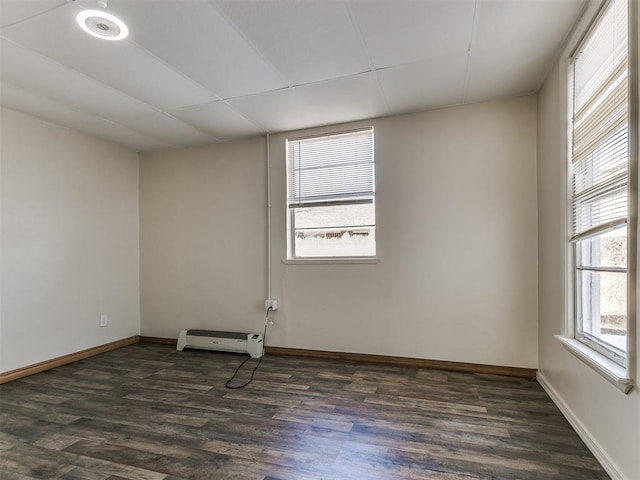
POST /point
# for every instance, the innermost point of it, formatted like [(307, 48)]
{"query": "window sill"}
[(609, 369), (330, 261)]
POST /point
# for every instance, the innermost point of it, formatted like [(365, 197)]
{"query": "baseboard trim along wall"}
[(595, 448), (65, 359), (385, 360), (159, 340), (408, 362), (299, 352)]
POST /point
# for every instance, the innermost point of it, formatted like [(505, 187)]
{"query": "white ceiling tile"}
[(426, 84), (345, 99), (277, 111), (307, 41), (182, 56), (124, 136), (335, 101), (39, 75), (525, 26), (514, 43), (492, 76), (197, 40), (22, 100), (121, 65), (13, 11), (168, 129), (397, 32), (218, 119)]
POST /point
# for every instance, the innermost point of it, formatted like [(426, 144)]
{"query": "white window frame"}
[(620, 373), (292, 257)]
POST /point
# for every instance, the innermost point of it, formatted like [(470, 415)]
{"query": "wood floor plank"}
[(149, 412)]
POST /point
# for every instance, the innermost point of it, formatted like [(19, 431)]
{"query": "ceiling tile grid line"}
[(44, 102), (367, 54), (74, 118), (104, 85), (165, 143), (362, 41), (100, 119), (136, 45), (78, 73), (187, 77), (174, 69), (123, 66), (474, 29), (223, 101), (190, 79), (306, 41), (383, 96), (254, 121), (152, 136), (118, 133), (32, 16), (242, 34), (196, 39), (130, 42), (159, 123)]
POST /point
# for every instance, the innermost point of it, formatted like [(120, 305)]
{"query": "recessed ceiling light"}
[(102, 25)]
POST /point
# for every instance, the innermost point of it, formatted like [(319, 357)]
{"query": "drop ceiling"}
[(193, 72)]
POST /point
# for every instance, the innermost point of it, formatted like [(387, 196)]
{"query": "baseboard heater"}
[(250, 343)]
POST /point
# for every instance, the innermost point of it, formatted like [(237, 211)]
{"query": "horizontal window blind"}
[(331, 169), (600, 139)]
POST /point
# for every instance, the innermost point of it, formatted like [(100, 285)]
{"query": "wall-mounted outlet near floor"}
[(104, 320), (271, 303)]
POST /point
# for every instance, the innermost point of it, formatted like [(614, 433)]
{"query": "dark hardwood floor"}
[(148, 412)]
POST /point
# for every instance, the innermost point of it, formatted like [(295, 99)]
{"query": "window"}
[(601, 196), (331, 192)]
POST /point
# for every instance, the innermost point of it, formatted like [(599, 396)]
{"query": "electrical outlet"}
[(271, 303), (104, 320)]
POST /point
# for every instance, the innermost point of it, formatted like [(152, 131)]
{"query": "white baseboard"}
[(582, 431)]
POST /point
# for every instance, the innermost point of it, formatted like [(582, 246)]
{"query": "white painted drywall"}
[(610, 418), (457, 227), (202, 238), (69, 207)]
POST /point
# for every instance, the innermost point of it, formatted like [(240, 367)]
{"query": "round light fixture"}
[(102, 25)]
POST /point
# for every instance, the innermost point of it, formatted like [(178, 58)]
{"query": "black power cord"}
[(264, 341)]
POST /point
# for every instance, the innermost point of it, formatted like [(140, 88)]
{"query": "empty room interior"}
[(291, 239)]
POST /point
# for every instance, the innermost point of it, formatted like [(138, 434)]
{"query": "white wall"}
[(202, 238), (69, 209), (456, 215), (610, 419)]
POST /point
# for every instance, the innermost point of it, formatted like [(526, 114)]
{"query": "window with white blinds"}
[(330, 195), (600, 194), (600, 134), (331, 169)]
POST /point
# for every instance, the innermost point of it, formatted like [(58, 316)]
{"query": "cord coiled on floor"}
[(253, 372)]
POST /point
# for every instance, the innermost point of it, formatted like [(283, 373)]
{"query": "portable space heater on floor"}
[(250, 343)]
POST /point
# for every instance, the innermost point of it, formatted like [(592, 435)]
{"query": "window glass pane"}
[(335, 216), (335, 231), (606, 250), (602, 306)]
